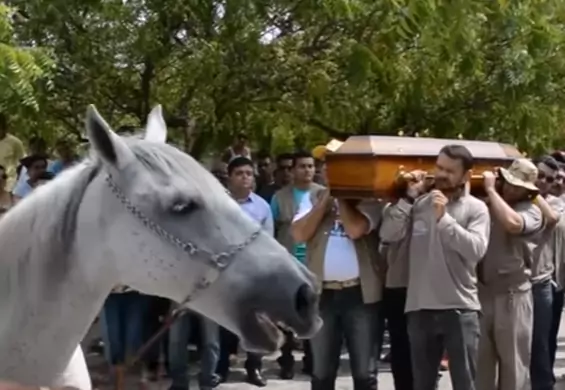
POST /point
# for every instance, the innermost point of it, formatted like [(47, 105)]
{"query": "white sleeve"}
[(304, 208), (76, 373)]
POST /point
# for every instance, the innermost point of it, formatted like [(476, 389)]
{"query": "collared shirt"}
[(258, 209)]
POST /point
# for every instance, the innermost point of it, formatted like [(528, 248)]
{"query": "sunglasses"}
[(546, 178)]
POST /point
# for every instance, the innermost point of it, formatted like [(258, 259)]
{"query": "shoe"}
[(254, 377), (286, 373)]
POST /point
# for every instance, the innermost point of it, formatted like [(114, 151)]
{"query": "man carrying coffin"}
[(449, 231), (504, 277)]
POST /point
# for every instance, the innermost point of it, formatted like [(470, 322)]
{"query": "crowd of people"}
[(448, 274)]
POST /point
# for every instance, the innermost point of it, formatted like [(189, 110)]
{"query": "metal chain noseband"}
[(217, 261)]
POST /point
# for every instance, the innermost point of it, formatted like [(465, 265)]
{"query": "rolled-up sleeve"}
[(395, 221)]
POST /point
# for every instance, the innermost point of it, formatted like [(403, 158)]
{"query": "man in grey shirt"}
[(504, 278), (449, 235)]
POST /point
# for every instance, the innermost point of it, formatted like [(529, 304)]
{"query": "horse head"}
[(165, 226)]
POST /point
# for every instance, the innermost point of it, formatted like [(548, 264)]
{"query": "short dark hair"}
[(459, 152), (284, 156), (559, 156), (239, 162), (32, 159), (263, 155), (548, 161), (299, 154)]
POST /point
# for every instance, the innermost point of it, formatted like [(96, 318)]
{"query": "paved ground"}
[(300, 382)]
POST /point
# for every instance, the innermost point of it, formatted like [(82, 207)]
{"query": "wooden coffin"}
[(368, 166)]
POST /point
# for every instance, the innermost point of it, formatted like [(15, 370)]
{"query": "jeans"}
[(157, 310), (541, 370), (558, 296), (346, 317), (179, 335), (434, 331), (400, 356), (122, 322)]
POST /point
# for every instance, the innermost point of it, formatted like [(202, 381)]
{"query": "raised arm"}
[(309, 217), (470, 242)]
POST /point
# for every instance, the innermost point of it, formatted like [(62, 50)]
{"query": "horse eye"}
[(183, 208)]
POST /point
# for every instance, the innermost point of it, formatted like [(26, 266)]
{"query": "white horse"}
[(141, 213)]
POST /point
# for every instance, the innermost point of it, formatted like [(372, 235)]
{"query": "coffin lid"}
[(377, 145)]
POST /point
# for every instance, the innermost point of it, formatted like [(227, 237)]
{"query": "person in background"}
[(504, 273), (543, 269), (265, 180), (121, 320), (241, 176), (12, 150), (179, 335), (319, 154), (35, 166), (557, 189), (6, 198), (284, 205), (67, 156), (283, 170), (282, 176), (157, 310), (37, 147), (239, 148), (220, 171)]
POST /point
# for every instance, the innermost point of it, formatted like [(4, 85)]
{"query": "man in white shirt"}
[(341, 253)]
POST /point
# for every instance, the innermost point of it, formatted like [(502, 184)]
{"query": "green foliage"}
[(297, 72), (21, 70)]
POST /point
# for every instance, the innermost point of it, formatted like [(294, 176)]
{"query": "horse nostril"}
[(305, 300)]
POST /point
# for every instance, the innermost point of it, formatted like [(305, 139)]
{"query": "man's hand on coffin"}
[(415, 183)]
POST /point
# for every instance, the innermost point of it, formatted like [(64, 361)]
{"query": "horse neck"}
[(48, 297)]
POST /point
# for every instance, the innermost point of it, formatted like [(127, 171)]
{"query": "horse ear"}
[(105, 143), (156, 129)]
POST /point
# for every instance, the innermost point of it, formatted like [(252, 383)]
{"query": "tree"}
[(291, 71), (24, 71)]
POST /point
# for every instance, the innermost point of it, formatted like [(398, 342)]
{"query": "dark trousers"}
[(431, 333), (122, 321), (541, 369), (158, 309), (286, 360), (346, 317), (400, 358), (557, 309), (209, 348), (228, 345)]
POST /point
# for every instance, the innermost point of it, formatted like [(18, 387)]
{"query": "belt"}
[(335, 285)]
